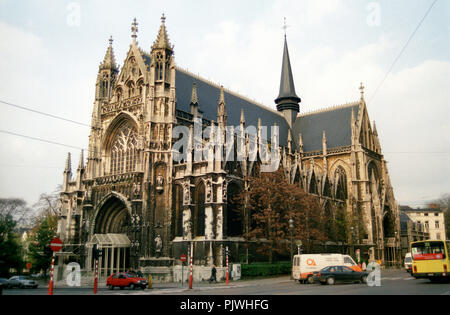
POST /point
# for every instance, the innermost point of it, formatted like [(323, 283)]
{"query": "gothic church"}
[(144, 209)]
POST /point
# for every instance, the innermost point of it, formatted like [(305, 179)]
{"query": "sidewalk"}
[(178, 285)]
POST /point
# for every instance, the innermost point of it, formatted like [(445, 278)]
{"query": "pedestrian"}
[(213, 274)]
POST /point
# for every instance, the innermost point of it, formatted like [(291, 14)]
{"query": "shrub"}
[(265, 270)]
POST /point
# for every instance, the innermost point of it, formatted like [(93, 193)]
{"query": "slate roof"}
[(336, 122), (208, 98)]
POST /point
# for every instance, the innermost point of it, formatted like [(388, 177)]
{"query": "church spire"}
[(68, 168), (109, 62), (194, 101), (287, 101), (67, 176), (81, 162), (162, 41), (242, 117), (221, 110), (194, 97)]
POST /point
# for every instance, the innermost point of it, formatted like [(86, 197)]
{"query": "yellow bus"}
[(431, 260)]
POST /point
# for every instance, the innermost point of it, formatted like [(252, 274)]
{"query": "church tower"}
[(287, 101), (159, 162), (107, 74)]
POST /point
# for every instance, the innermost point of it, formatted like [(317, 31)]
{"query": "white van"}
[(305, 265), (408, 262)]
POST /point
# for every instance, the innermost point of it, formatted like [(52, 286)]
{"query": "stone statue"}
[(159, 183), (208, 192), (187, 195), (136, 190), (158, 245)]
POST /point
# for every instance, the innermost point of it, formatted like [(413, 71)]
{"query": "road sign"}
[(183, 258), (56, 245)]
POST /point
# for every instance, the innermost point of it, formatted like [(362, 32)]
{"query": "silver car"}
[(22, 282)]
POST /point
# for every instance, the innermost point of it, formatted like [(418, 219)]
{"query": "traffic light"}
[(97, 253)]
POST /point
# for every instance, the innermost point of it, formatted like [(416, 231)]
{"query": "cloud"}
[(411, 108), (30, 77)]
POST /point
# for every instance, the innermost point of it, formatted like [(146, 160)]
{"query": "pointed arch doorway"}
[(109, 231)]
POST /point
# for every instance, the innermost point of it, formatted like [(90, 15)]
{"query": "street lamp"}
[(352, 232), (395, 249), (291, 230)]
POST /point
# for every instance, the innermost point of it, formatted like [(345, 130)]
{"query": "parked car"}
[(408, 262), (332, 274), (126, 280), (22, 282), (4, 283)]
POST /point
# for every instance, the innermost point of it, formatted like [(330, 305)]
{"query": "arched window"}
[(177, 206), (140, 86), (327, 188), (104, 89), (234, 214), (374, 177), (313, 185), (131, 89), (159, 67), (297, 177), (124, 151), (341, 180), (199, 210)]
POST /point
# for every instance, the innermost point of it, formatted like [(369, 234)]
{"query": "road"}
[(392, 283)]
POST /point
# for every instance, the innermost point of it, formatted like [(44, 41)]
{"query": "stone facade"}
[(132, 186)]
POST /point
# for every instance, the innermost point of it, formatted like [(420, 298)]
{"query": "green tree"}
[(12, 213), (39, 252), (10, 247)]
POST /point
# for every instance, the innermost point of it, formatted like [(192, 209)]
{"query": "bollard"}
[(150, 281)]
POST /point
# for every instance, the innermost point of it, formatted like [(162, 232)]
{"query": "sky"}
[(50, 52)]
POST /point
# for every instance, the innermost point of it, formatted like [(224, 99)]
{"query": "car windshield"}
[(428, 251), (408, 259), (349, 261)]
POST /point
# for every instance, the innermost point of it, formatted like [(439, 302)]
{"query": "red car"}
[(126, 280)]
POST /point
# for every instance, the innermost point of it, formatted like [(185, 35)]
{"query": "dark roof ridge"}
[(245, 98), (329, 109)]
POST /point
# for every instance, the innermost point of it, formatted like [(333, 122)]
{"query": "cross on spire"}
[(285, 26), (163, 18), (111, 40), (361, 88), (134, 29)]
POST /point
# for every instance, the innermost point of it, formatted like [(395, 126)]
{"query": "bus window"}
[(428, 251)]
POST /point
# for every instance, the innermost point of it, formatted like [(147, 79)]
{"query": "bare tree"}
[(16, 209), (48, 204), (443, 203)]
